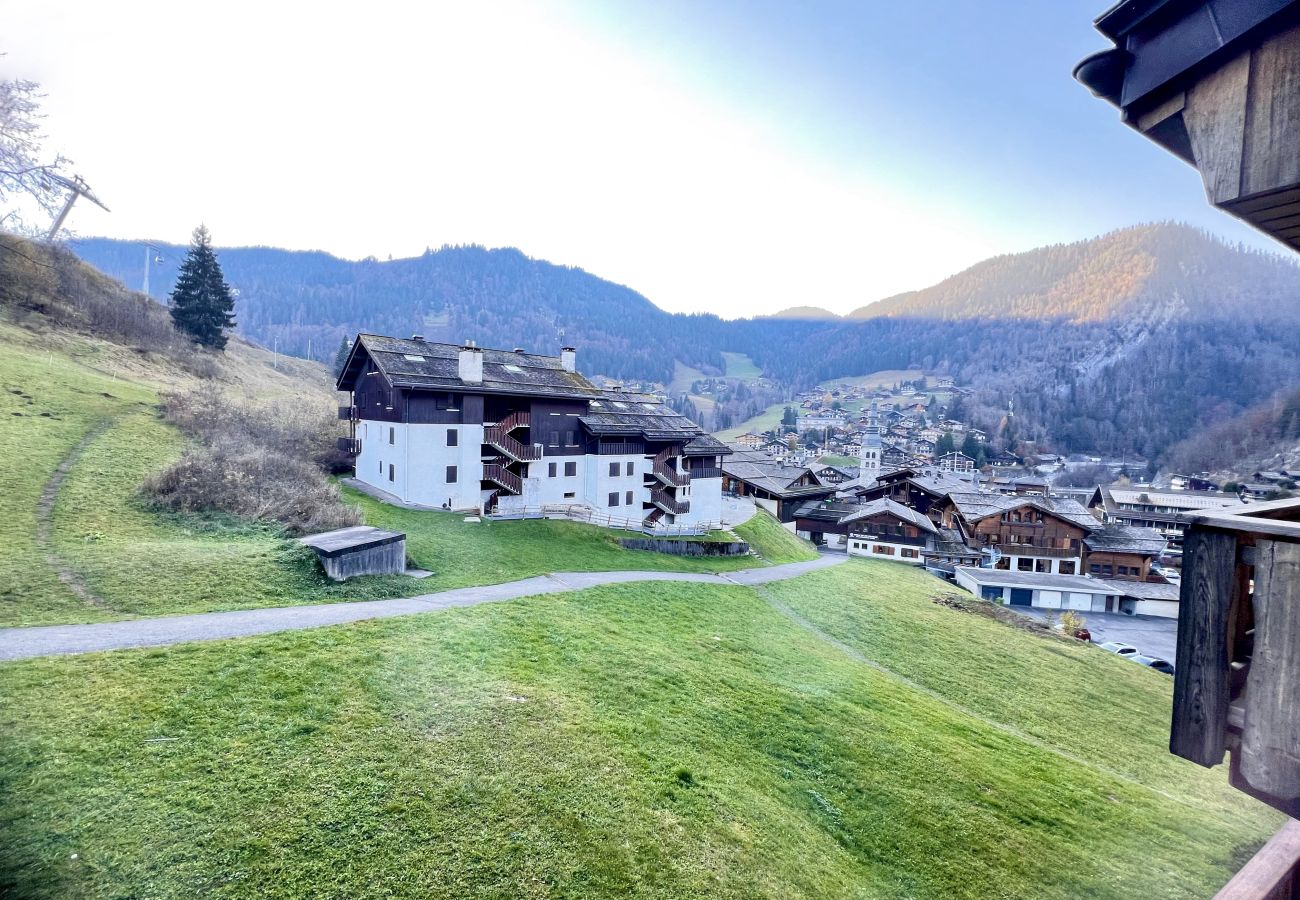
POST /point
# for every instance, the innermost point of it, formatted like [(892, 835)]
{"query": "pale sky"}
[(733, 157)]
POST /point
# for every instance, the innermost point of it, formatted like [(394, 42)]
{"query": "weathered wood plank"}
[(1273, 873), (1201, 681), (1270, 738), (1215, 118), (1251, 205), (1271, 155)]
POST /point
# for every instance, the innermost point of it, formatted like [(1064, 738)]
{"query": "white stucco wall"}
[(864, 545), (705, 495), (420, 456)]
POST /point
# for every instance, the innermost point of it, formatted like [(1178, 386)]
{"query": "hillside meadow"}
[(649, 740)]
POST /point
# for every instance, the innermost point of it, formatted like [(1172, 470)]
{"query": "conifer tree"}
[(341, 355), (202, 306)]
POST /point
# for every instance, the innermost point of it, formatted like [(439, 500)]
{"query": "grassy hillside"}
[(79, 417), (836, 736)]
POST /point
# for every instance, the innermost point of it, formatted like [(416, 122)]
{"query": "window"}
[(391, 471), (628, 500), (1065, 567), (1121, 570), (1105, 570), (613, 498), (392, 435), (1042, 565), (451, 474), (570, 439), (453, 437), (550, 470), (882, 550), (1025, 564), (1094, 569), (569, 495), (631, 468), (613, 469), (570, 469), (381, 467), (909, 553)]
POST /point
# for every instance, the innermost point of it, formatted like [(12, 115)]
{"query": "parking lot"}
[(1152, 635)]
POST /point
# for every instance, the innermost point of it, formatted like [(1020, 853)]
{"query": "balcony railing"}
[(668, 504), (350, 446), (498, 474), (496, 437), (665, 471), (347, 413), (1237, 685)]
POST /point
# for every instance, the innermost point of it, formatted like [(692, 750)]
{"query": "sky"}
[(730, 157)]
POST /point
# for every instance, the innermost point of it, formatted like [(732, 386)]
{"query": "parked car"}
[(1152, 662), (1122, 649)]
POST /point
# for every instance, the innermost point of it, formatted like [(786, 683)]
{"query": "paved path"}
[(49, 640), (1152, 635)]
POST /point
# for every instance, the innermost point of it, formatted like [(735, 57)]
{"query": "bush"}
[(258, 461), (254, 483)]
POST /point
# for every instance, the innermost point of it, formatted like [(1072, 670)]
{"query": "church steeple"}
[(869, 462)]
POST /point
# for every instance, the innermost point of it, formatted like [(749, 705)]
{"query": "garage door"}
[(1022, 597), (1049, 599), (1080, 601)]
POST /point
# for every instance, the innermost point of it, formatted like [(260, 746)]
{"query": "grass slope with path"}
[(95, 550), (838, 735)]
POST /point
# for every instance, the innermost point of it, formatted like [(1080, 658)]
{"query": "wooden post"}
[(1201, 681), (1270, 740)]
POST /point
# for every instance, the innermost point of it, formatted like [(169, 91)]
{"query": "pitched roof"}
[(1126, 539), (976, 505), (760, 470), (885, 505), (626, 414), (434, 366)]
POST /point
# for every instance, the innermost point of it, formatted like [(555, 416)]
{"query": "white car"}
[(1121, 649)]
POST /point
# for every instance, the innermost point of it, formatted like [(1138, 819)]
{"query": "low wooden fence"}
[(591, 517)]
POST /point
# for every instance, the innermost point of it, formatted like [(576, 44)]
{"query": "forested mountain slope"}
[(1128, 342)]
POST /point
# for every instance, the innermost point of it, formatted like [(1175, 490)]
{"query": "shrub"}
[(258, 461), (253, 482)]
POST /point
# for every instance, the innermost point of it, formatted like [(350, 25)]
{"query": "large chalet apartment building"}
[(499, 431)]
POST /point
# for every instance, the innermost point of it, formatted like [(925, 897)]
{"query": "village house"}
[(956, 461), (1146, 507), (777, 487), (1027, 534), (502, 432)]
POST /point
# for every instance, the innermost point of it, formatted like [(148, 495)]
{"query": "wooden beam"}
[(1215, 118), (1273, 873), (1271, 155), (1270, 737), (1201, 679)]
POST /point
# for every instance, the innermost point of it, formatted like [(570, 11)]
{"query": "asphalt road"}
[(1152, 635)]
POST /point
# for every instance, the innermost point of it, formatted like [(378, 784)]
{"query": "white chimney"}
[(471, 364), (569, 359)]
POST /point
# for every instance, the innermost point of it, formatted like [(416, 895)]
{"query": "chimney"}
[(418, 337), (471, 364), (569, 359)]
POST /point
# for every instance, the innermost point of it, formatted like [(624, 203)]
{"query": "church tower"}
[(869, 464)]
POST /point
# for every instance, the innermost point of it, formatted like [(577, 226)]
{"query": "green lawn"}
[(832, 460), (768, 418), (651, 740), (740, 365), (766, 537)]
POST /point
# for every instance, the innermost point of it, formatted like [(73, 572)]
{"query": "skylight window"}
[(411, 357), (509, 367), (620, 404)]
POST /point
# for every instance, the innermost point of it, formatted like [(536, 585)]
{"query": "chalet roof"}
[(430, 365), (950, 543), (625, 414), (825, 510), (1126, 539), (1110, 497), (705, 445), (761, 471), (974, 506), (885, 505)]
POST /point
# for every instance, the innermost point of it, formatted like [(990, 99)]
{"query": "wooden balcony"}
[(1237, 686), (350, 446), (347, 413)]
